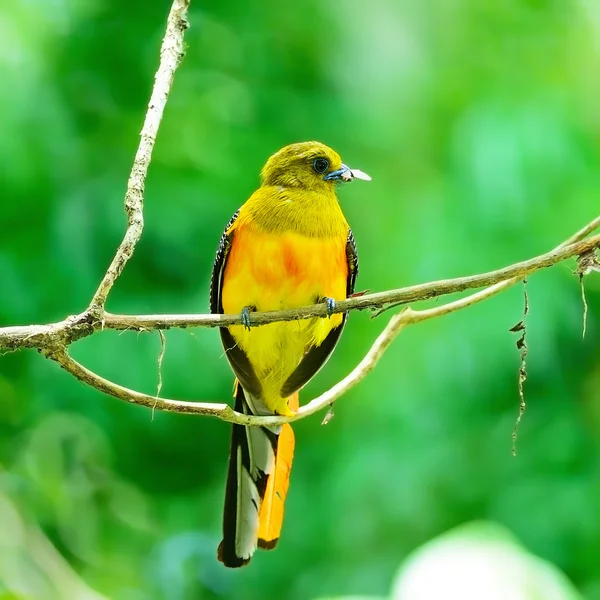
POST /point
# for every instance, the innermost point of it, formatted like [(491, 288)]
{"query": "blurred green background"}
[(479, 124)]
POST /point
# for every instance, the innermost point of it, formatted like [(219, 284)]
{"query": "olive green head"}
[(309, 165)]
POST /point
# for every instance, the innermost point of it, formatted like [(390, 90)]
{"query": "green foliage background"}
[(479, 125)]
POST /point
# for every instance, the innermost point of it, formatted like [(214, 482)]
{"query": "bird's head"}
[(308, 165)]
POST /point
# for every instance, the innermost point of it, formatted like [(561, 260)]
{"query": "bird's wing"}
[(237, 357), (216, 281), (317, 356), (352, 258)]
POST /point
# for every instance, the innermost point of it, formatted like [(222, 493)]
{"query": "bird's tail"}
[(257, 482)]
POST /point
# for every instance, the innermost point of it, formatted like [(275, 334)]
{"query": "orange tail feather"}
[(272, 508)]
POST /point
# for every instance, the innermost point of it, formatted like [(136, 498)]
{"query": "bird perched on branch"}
[(288, 246)]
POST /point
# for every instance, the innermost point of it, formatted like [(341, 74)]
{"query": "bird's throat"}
[(309, 213)]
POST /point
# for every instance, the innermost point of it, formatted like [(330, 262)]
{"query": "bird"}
[(288, 246)]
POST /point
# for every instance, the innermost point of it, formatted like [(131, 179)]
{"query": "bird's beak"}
[(346, 174)]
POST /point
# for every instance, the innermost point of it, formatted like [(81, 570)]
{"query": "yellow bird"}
[(288, 246)]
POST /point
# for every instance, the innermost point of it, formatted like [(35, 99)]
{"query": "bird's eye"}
[(320, 165)]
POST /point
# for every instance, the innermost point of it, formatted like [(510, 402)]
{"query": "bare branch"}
[(84, 375), (582, 233), (224, 412), (171, 54), (379, 300)]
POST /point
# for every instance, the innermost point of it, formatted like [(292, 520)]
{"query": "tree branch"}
[(224, 412), (52, 340), (171, 55), (85, 324)]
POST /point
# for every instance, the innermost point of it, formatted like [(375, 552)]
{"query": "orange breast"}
[(284, 270)]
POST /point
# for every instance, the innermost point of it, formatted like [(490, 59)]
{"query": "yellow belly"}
[(282, 271)]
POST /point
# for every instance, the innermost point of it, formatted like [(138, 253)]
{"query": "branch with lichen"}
[(52, 340)]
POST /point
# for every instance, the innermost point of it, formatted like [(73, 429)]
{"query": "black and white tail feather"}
[(251, 462)]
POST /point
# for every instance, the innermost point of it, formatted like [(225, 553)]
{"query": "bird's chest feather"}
[(274, 271)]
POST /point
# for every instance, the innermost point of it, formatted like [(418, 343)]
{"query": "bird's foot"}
[(330, 302), (246, 316)]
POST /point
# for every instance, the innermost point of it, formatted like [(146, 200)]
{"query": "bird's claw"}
[(246, 317), (330, 302)]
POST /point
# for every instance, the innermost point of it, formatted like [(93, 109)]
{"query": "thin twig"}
[(582, 233), (586, 263), (171, 54), (159, 365), (585, 306), (521, 327)]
